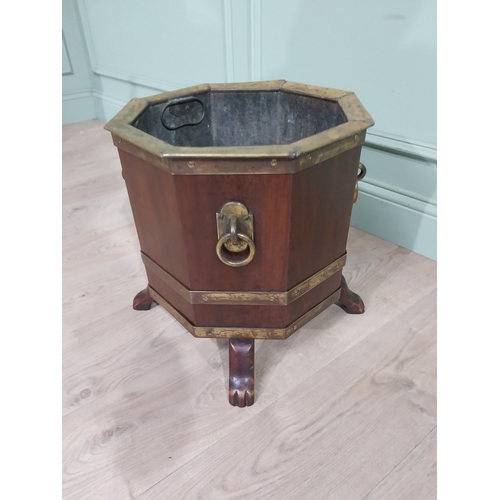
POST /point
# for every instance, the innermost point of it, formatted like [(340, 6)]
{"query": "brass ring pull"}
[(236, 263), (360, 176)]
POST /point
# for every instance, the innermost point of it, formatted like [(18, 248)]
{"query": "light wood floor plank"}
[(88, 216), (101, 291), (148, 426), (106, 353), (414, 477), (335, 435)]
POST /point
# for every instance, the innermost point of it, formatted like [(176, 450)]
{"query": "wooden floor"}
[(345, 408)]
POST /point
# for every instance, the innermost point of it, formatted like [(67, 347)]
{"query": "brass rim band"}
[(242, 297), (267, 159)]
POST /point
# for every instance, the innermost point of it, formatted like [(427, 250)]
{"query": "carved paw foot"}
[(143, 300), (349, 301), (241, 372)]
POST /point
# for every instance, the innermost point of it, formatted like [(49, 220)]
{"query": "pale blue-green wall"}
[(78, 104), (383, 50)]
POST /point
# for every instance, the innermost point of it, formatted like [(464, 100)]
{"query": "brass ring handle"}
[(236, 263), (360, 176)]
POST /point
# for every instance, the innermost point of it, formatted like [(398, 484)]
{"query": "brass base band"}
[(245, 298), (244, 332)]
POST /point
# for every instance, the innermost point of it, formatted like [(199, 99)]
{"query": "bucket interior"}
[(218, 119)]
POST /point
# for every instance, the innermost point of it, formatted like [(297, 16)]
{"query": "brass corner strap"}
[(244, 332), (245, 298)]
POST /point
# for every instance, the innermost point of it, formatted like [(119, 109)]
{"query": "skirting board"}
[(77, 107), (395, 222), (386, 213)]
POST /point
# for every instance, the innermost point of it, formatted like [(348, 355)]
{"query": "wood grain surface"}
[(344, 409)]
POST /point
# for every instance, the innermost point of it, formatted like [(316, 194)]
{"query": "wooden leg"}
[(349, 301), (143, 301), (241, 370)]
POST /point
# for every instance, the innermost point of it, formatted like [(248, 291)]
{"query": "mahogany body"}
[(301, 222), (287, 155)]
